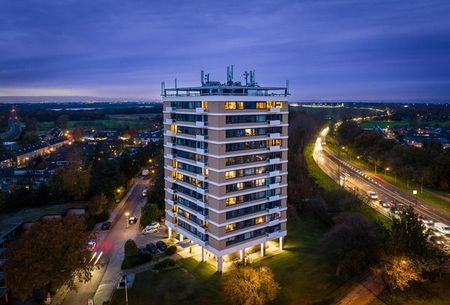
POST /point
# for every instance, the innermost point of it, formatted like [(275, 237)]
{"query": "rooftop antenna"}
[(207, 77), (228, 75), (287, 87), (246, 77), (176, 83), (231, 72), (163, 88), (254, 79), (202, 77)]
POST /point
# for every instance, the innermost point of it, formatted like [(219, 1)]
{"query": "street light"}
[(386, 170), (126, 218), (415, 194)]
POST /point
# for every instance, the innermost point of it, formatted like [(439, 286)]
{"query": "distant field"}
[(384, 124), (111, 123)]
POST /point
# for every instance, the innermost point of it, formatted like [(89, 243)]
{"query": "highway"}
[(110, 244), (359, 181)]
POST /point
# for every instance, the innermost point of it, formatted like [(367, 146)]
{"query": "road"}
[(360, 181), (110, 243)]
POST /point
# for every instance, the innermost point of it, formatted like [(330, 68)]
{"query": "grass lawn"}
[(299, 271), (427, 293)]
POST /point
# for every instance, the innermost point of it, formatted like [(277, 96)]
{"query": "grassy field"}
[(303, 278), (384, 124), (111, 123), (427, 293)]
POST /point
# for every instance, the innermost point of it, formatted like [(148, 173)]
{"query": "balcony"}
[(199, 124), (170, 213), (200, 190), (200, 150), (170, 179), (200, 138), (274, 222), (273, 235), (273, 198), (170, 191), (275, 148), (169, 133), (273, 210), (169, 144), (170, 109), (274, 173), (275, 135), (274, 122), (199, 110), (201, 203), (274, 185), (200, 164), (274, 160), (170, 202), (200, 177), (169, 121), (275, 110), (201, 216)]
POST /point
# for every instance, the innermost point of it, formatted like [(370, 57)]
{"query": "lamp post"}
[(386, 169), (415, 194), (126, 218)]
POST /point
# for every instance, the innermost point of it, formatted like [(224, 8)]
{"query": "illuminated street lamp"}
[(150, 160), (386, 170), (415, 194)]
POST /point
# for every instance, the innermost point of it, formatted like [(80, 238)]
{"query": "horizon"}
[(338, 50)]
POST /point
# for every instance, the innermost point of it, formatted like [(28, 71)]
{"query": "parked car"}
[(151, 247), (372, 195), (427, 222), (151, 228), (106, 225), (161, 245), (132, 220), (385, 204), (442, 227), (144, 193)]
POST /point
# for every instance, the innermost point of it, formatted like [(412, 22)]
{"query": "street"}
[(360, 182), (110, 243)]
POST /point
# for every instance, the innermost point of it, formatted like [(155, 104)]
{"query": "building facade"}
[(225, 154)]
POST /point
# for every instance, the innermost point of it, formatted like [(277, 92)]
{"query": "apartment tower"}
[(225, 161)]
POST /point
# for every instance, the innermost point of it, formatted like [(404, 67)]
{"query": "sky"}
[(336, 49)]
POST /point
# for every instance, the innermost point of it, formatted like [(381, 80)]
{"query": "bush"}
[(130, 248), (167, 263), (132, 261), (171, 250)]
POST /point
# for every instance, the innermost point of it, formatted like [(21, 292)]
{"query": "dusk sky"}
[(361, 49)]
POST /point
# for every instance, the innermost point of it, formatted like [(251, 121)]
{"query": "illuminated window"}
[(240, 105), (230, 105), (274, 104), (240, 185), (274, 142), (230, 201), (173, 128), (249, 132), (205, 105), (260, 182), (260, 170), (261, 105), (230, 227), (174, 163), (259, 220), (205, 172), (230, 174)]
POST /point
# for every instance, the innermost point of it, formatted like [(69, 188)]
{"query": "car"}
[(132, 220), (385, 204), (106, 225), (144, 193), (151, 247), (151, 228), (372, 195), (424, 220), (92, 245), (143, 250), (442, 227), (438, 240), (161, 245)]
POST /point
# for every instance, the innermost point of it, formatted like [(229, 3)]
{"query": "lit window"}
[(230, 174), (230, 227), (260, 182), (259, 220), (274, 104), (261, 105), (249, 131), (173, 128), (230, 105), (205, 105), (230, 201), (240, 105), (240, 185)]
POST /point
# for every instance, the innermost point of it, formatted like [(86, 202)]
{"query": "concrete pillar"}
[(242, 255), (170, 232), (263, 249), (219, 263), (203, 254), (181, 237), (281, 243)]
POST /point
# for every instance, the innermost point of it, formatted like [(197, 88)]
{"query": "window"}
[(249, 131), (260, 182), (230, 201), (274, 104), (261, 105), (230, 105), (230, 174), (230, 227), (275, 142), (205, 105), (173, 128), (259, 220)]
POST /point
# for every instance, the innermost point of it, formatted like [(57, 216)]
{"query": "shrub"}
[(130, 248), (171, 250), (167, 263)]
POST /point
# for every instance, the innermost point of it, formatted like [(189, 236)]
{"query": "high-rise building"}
[(225, 160)]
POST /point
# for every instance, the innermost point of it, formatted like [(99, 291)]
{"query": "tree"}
[(130, 248), (409, 235), (352, 245), (30, 138), (98, 204), (250, 286), (62, 120), (399, 272), (76, 181), (78, 133), (52, 253), (149, 213)]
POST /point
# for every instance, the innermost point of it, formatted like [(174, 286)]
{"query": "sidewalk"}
[(364, 292)]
